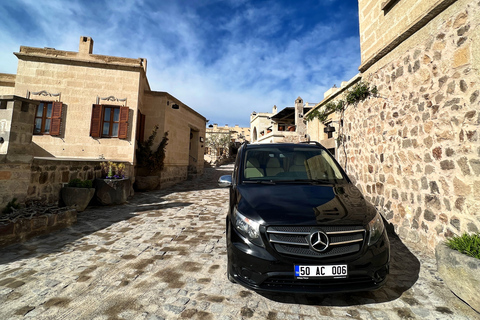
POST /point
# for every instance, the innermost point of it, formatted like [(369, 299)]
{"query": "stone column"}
[(17, 117)]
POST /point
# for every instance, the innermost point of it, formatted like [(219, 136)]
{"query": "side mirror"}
[(225, 181)]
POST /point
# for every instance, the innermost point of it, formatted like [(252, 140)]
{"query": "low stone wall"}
[(415, 149), (24, 229), (49, 175), (14, 182), (172, 175), (44, 178)]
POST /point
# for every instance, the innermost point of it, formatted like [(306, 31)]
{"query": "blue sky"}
[(223, 58)]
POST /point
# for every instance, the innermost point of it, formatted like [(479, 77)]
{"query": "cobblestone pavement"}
[(163, 256)]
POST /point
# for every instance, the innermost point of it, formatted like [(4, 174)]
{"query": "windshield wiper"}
[(259, 181), (300, 181)]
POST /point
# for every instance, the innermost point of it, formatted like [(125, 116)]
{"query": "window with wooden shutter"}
[(96, 121), (123, 123), (48, 118), (56, 120), (109, 121)]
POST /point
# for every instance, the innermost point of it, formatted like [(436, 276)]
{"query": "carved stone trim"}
[(112, 99), (44, 93)]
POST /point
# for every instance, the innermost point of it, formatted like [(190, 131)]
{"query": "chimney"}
[(86, 46), (143, 63), (274, 110)]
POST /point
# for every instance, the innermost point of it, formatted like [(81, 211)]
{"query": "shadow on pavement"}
[(98, 218), (404, 272)]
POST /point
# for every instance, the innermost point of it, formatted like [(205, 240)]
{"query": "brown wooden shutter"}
[(96, 122), (140, 135), (56, 120), (123, 123), (142, 128)]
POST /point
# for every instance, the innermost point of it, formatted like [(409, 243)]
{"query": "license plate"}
[(329, 271)]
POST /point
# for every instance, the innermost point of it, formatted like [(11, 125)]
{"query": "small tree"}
[(217, 141), (154, 161)]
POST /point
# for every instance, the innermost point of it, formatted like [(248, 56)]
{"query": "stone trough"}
[(461, 274)]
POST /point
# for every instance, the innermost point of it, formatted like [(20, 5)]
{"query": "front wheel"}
[(230, 278), (229, 267)]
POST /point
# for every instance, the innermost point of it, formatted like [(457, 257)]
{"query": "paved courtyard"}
[(163, 256)]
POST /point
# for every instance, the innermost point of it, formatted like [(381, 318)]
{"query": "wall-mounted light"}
[(201, 139)]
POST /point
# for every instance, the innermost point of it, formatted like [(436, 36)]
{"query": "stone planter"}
[(112, 191), (460, 273), (79, 198)]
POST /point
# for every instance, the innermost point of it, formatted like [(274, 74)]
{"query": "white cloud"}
[(247, 56)]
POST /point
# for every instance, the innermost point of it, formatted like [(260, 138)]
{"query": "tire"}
[(230, 278)]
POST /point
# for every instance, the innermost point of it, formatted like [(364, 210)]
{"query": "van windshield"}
[(297, 164)]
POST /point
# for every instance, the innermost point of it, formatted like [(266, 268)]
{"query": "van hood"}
[(304, 204)]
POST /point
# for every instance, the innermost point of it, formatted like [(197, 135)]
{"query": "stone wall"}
[(7, 84), (24, 229), (48, 176), (386, 23), (172, 175), (415, 149), (43, 179)]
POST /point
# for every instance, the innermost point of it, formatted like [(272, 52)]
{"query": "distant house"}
[(222, 142), (284, 126), (100, 107), (327, 132)]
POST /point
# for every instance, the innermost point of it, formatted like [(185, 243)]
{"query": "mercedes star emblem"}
[(319, 241)]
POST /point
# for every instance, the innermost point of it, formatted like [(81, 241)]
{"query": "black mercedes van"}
[(296, 223)]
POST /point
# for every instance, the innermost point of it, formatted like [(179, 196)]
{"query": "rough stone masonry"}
[(415, 149)]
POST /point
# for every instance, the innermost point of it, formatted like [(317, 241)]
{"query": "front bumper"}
[(258, 269)]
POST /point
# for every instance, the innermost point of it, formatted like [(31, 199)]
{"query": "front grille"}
[(293, 241)]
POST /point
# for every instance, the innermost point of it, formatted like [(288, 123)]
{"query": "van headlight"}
[(376, 229), (248, 228)]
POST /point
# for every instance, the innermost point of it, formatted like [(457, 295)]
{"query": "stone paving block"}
[(169, 263)]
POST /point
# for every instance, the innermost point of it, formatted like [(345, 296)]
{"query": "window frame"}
[(55, 118), (98, 120), (111, 122)]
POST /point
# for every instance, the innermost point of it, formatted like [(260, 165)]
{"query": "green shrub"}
[(77, 183), (151, 159), (468, 244)]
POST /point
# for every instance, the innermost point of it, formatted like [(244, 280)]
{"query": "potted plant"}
[(78, 193), (113, 187), (150, 162)]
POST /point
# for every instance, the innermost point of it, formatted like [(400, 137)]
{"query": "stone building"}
[(414, 148), (96, 107), (328, 131), (221, 142), (284, 126)]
